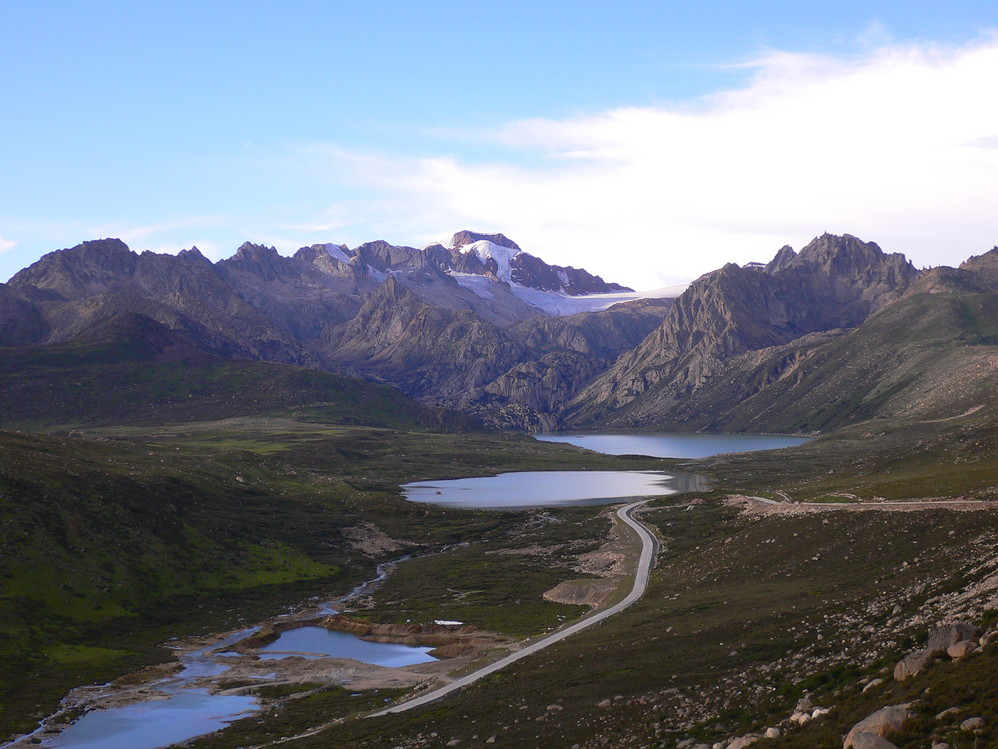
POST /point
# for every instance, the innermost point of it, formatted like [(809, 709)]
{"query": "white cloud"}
[(7, 244), (887, 147)]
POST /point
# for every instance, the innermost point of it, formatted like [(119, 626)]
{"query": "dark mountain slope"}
[(131, 369), (435, 322), (74, 289)]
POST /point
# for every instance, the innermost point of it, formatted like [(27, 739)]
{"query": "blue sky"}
[(646, 141)]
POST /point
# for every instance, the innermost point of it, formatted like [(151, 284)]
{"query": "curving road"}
[(649, 547)]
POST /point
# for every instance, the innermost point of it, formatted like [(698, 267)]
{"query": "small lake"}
[(674, 444), (319, 642), (534, 489)]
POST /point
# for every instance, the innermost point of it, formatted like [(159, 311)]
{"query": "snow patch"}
[(485, 250), (478, 284), (561, 305), (555, 302), (336, 252)]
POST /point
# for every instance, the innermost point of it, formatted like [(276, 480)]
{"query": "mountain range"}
[(836, 333)]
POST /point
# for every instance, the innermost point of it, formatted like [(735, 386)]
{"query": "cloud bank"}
[(899, 146)]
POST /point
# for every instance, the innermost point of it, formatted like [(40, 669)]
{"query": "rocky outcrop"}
[(465, 237), (953, 640), (946, 635)]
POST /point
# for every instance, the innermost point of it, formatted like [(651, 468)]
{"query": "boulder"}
[(873, 683), (743, 741), (882, 722), (912, 664), (972, 724), (961, 649), (949, 711), (772, 733), (949, 634), (871, 741)]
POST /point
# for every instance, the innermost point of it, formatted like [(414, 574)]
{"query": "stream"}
[(175, 708)]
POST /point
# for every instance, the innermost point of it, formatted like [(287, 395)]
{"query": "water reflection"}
[(674, 444), (319, 642), (532, 489)]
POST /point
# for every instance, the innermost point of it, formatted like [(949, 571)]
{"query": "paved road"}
[(648, 550)]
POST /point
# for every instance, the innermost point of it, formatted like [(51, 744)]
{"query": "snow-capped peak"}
[(486, 250)]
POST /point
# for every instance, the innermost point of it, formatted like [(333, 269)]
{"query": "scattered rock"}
[(772, 733), (882, 722), (743, 741), (604, 703), (801, 718), (554, 708), (972, 724), (941, 745), (948, 712)]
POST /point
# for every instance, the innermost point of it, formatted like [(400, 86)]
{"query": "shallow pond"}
[(184, 711), (319, 642), (154, 724), (674, 444), (530, 489)]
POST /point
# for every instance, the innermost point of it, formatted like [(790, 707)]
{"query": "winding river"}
[(180, 710)]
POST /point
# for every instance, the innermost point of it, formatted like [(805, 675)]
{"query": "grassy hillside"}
[(133, 370)]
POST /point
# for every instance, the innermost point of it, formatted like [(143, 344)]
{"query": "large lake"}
[(531, 489), (674, 444), (534, 489)]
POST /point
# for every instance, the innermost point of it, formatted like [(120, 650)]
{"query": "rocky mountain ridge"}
[(441, 324), (838, 332)]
